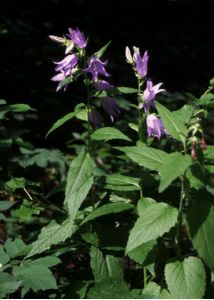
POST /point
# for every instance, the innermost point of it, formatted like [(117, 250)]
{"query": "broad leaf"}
[(66, 118), (5, 205), (105, 267), (108, 133), (52, 235), (174, 122), (200, 218), (111, 208), (8, 284), (35, 277), (156, 220), (143, 203), (206, 99), (117, 182), (147, 157), (186, 279), (140, 253), (174, 165), (209, 153), (15, 248), (79, 182), (4, 258), (20, 107)]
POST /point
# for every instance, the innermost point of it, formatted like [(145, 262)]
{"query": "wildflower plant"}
[(140, 200)]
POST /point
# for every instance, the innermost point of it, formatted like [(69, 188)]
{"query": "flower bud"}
[(128, 55)]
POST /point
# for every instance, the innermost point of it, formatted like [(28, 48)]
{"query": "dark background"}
[(179, 37)]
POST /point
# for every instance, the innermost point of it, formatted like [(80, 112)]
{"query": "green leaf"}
[(105, 267), (152, 288), (52, 235), (109, 289), (100, 52), (143, 203), (35, 277), (8, 284), (66, 118), (111, 208), (174, 165), (174, 122), (4, 258), (14, 184), (79, 182), (47, 261), (2, 102), (108, 133), (186, 279), (206, 99), (200, 218), (209, 152), (119, 182), (140, 253), (156, 220), (20, 107), (25, 212), (65, 81), (5, 205), (126, 90), (147, 157), (14, 248)]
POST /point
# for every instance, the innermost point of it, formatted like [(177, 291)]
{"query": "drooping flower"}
[(77, 37), (155, 126), (141, 63), (67, 64), (149, 95), (96, 67), (65, 67), (95, 118), (111, 107), (102, 85)]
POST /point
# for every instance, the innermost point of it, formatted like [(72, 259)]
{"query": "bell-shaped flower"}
[(68, 63), (111, 107), (77, 37), (102, 85), (149, 95), (141, 63), (155, 126), (96, 67), (95, 118)]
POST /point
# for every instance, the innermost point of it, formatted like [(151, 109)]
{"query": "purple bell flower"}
[(77, 37), (149, 95), (141, 63), (155, 126), (96, 67), (65, 67), (95, 118), (102, 85), (111, 107)]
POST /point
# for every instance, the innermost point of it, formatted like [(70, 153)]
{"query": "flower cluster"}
[(147, 98), (75, 44)]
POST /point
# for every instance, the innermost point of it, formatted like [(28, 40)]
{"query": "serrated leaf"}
[(100, 52), (144, 203), (156, 220), (152, 288), (66, 118), (79, 182), (186, 279), (14, 248), (147, 157), (109, 289), (111, 208), (200, 218), (47, 261), (105, 267), (35, 277), (140, 253), (174, 122), (15, 183), (4, 258), (206, 99), (8, 284), (174, 165), (108, 133), (119, 182), (52, 235)]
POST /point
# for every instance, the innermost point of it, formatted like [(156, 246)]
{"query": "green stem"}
[(180, 218), (144, 276)]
